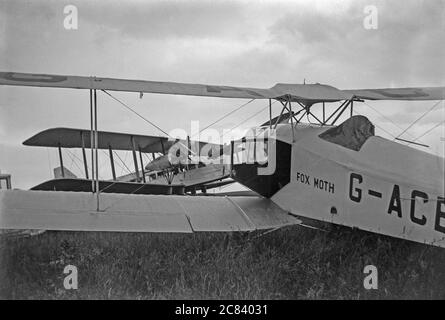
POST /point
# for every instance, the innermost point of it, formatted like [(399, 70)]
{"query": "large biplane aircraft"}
[(342, 174)]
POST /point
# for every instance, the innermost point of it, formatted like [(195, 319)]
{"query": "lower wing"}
[(76, 211)]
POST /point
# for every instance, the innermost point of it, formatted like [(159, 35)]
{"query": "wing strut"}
[(94, 147), (84, 155), (62, 168)]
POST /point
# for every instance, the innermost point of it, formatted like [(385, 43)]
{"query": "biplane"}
[(159, 176), (335, 173)]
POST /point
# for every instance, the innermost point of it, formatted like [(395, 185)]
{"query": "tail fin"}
[(59, 174)]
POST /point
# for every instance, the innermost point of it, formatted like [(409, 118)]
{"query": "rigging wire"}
[(422, 116), (147, 157), (160, 129), (385, 117), (123, 162), (206, 127), (226, 115), (386, 131), (72, 161), (145, 119), (247, 119), (429, 130), (419, 118), (72, 156), (75, 156), (135, 112), (88, 167), (121, 167)]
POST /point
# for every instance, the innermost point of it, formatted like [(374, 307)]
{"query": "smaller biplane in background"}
[(159, 176)]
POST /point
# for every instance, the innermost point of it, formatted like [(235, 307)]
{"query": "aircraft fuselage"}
[(384, 187)]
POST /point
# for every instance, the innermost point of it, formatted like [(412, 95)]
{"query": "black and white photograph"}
[(222, 155)]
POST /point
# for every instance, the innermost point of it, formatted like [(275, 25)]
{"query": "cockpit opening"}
[(263, 165)]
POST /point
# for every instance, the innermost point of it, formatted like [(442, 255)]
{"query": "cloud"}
[(168, 19), (405, 49)]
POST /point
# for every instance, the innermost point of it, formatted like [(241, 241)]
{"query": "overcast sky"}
[(245, 43)]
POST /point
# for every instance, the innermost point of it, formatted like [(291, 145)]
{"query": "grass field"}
[(291, 263)]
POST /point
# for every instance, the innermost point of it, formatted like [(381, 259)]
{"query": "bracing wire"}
[(225, 116), (385, 117), (123, 162), (247, 119), (429, 130), (160, 129), (135, 112), (384, 130), (145, 119), (73, 156), (422, 116), (419, 118)]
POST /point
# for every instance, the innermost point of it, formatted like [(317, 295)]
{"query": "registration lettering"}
[(417, 201)]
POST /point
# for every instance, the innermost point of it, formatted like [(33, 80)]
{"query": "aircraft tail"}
[(65, 173)]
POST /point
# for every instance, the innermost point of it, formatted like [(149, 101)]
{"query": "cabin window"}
[(273, 157)]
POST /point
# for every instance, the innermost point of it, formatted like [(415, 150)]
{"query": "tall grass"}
[(291, 263)]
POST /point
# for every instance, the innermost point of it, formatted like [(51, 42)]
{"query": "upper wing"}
[(76, 211), (310, 93), (76, 138), (304, 93), (426, 93), (79, 82)]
